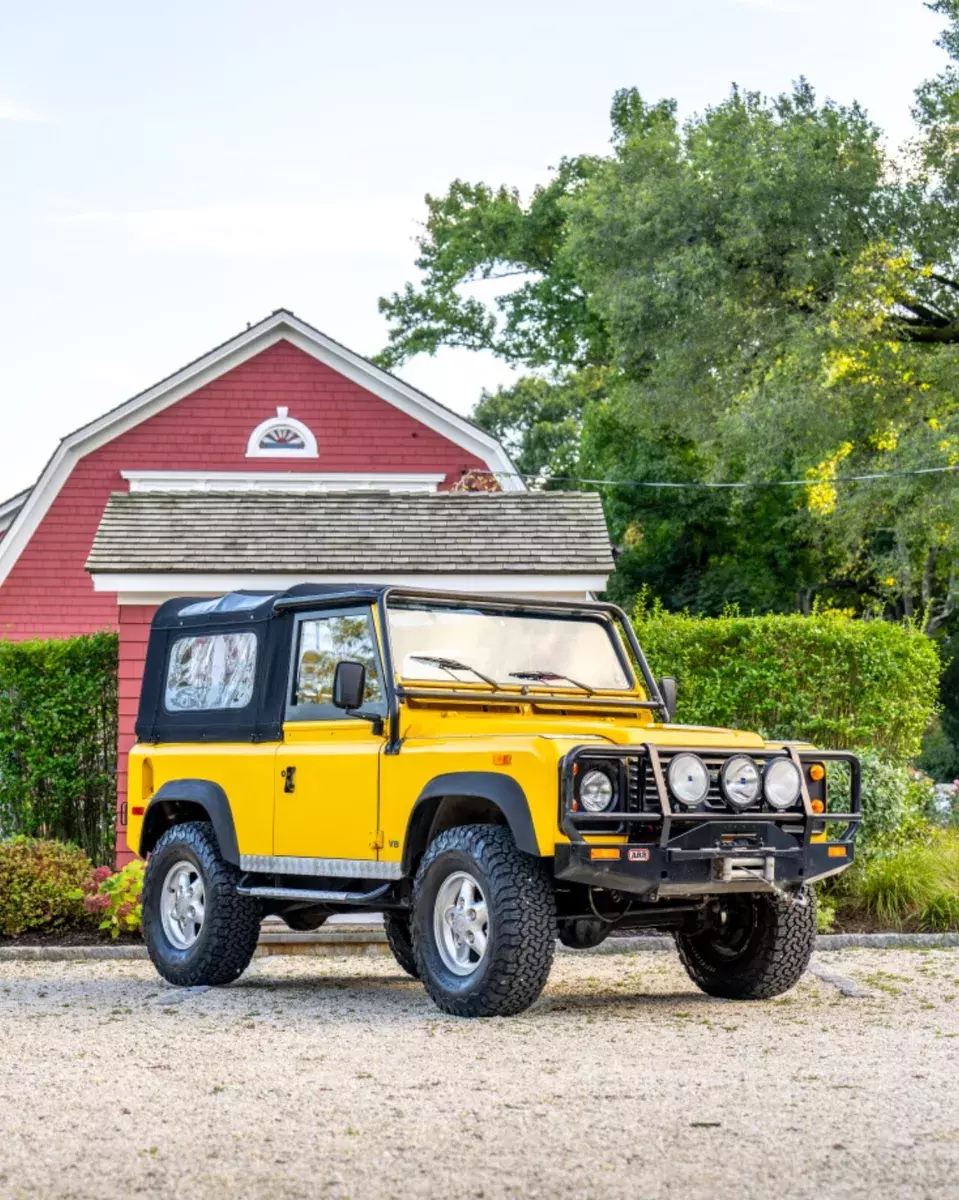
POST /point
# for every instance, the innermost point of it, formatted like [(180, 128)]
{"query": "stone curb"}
[(344, 940), (824, 942)]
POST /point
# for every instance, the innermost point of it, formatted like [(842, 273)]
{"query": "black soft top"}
[(244, 607), (270, 617)]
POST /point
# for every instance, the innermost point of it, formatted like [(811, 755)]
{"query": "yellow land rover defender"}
[(489, 773)]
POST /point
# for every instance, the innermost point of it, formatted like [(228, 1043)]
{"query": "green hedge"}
[(58, 737), (829, 679)]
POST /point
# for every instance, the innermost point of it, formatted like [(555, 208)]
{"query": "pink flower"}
[(101, 873), (125, 909)]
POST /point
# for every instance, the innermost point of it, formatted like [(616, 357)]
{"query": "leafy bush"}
[(38, 886), (58, 736), (829, 679), (896, 799), (939, 756), (115, 898)]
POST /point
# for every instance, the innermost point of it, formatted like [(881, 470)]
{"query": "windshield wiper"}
[(546, 676), (451, 666)]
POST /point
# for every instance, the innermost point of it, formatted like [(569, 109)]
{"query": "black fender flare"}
[(201, 793), (500, 790)]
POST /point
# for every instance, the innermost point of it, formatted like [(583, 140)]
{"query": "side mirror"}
[(667, 689), (349, 684)]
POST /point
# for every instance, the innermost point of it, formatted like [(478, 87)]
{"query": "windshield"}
[(469, 645)]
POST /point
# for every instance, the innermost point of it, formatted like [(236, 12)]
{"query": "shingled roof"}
[(351, 533)]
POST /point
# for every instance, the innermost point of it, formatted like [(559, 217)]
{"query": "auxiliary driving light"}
[(782, 783), (688, 779), (741, 781)]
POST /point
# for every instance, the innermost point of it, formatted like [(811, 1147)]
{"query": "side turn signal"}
[(604, 852), (836, 851)]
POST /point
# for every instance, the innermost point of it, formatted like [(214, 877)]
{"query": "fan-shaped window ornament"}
[(282, 436)]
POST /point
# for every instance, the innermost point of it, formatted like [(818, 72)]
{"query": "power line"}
[(699, 483)]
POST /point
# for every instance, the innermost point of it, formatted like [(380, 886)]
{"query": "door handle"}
[(289, 774)]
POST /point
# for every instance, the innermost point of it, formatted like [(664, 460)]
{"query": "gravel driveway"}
[(336, 1077)]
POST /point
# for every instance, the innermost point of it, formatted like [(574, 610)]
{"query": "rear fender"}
[(181, 800)]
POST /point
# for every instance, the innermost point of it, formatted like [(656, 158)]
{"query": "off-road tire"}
[(397, 926), (521, 923), (231, 926), (773, 957)]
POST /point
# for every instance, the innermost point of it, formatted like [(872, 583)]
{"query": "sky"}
[(172, 172)]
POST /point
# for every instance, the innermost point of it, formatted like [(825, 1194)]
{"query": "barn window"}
[(282, 436)]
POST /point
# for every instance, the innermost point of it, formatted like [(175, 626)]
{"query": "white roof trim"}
[(297, 482), (147, 588), (279, 326), (10, 508)]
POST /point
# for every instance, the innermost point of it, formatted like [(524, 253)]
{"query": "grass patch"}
[(912, 883)]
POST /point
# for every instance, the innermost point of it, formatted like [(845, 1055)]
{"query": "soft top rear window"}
[(210, 671)]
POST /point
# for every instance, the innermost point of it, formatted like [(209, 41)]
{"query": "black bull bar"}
[(669, 850)]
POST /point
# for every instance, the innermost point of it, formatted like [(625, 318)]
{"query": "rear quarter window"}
[(211, 671)]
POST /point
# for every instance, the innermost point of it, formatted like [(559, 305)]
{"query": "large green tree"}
[(758, 294)]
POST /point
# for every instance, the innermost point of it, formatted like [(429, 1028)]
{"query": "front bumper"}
[(682, 853), (711, 858)]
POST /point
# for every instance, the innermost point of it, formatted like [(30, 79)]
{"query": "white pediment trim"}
[(281, 325), (297, 482)]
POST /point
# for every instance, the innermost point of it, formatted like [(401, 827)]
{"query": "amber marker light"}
[(817, 806), (837, 851), (502, 760), (604, 852), (817, 772)]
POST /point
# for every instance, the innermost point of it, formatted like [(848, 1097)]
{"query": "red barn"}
[(279, 457)]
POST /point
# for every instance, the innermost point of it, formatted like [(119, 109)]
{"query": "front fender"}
[(501, 791)]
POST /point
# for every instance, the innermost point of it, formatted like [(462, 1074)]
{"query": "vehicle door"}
[(327, 770)]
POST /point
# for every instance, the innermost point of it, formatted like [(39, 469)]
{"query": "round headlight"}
[(740, 781), (688, 779), (596, 792), (782, 783)]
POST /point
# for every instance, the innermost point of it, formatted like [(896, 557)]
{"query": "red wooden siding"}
[(48, 593), (134, 625)]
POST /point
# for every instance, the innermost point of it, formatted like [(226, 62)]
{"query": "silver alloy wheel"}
[(461, 923), (182, 904)]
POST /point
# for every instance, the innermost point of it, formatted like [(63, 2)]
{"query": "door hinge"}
[(377, 842), (289, 774)]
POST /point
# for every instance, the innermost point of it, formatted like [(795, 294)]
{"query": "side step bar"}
[(321, 897)]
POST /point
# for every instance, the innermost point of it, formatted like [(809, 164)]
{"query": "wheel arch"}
[(466, 798), (181, 800)]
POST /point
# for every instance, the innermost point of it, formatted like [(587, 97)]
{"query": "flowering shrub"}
[(116, 898), (38, 886)]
